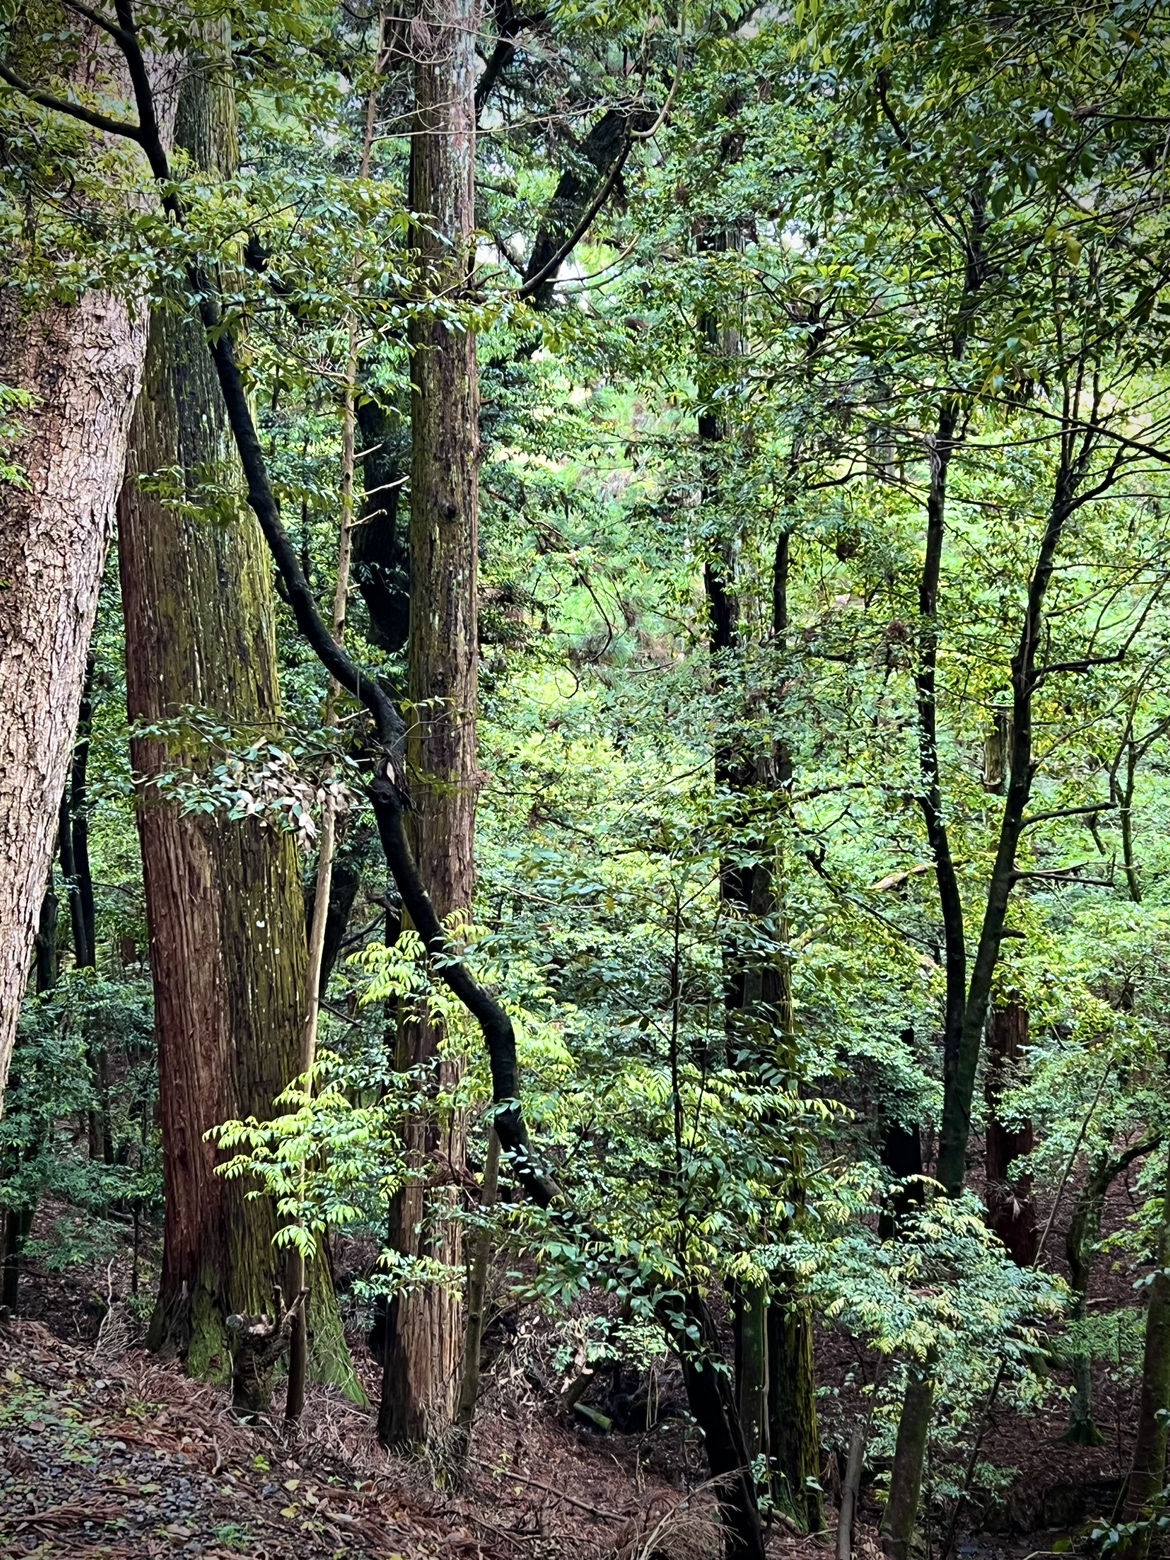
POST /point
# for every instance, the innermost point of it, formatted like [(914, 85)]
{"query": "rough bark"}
[(83, 363), (424, 1335), (1011, 1211), (224, 903)]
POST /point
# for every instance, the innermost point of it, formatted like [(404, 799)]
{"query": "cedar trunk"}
[(424, 1333), (224, 899), (83, 363), (1011, 1211)]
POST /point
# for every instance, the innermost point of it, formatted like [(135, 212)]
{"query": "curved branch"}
[(534, 283), (56, 105), (388, 790)]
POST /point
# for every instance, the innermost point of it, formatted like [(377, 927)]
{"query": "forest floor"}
[(107, 1453)]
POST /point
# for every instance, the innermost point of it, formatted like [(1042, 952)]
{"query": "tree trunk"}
[(1011, 1211), (901, 1513), (1147, 1476), (1080, 1245), (750, 1314), (83, 363), (424, 1334), (224, 902), (480, 1256), (711, 1399)]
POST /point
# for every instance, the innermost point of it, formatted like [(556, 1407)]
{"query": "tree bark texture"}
[(1011, 1211), (83, 364), (224, 899), (424, 1335)]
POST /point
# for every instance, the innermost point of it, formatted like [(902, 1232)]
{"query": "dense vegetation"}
[(632, 664)]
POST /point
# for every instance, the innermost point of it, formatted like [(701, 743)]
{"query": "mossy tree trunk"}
[(424, 1333), (224, 899)]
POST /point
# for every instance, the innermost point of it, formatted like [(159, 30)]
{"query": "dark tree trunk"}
[(47, 962), (224, 905), (381, 546), (902, 1157), (1011, 1211), (73, 833), (18, 1221), (577, 187), (901, 1514), (711, 1399), (424, 1334)]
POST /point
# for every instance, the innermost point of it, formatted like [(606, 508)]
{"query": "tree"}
[(77, 365), (224, 899), (424, 1335)]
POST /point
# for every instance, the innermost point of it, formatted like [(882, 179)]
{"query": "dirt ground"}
[(108, 1453)]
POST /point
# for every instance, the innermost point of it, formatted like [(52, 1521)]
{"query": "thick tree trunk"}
[(1011, 1211), (224, 901), (83, 363), (424, 1331)]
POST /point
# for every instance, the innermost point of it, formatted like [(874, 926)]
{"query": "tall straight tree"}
[(424, 1335), (81, 364), (224, 899)]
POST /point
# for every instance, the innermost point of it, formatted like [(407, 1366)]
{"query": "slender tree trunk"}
[(902, 1157), (850, 1490), (83, 363), (73, 834), (424, 1331), (962, 1066), (224, 900), (901, 1513), (1011, 1211), (479, 1255), (1147, 1477)]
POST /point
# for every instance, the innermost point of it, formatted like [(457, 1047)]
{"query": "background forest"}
[(583, 781)]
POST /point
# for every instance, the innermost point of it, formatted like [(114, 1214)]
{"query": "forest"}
[(585, 779)]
